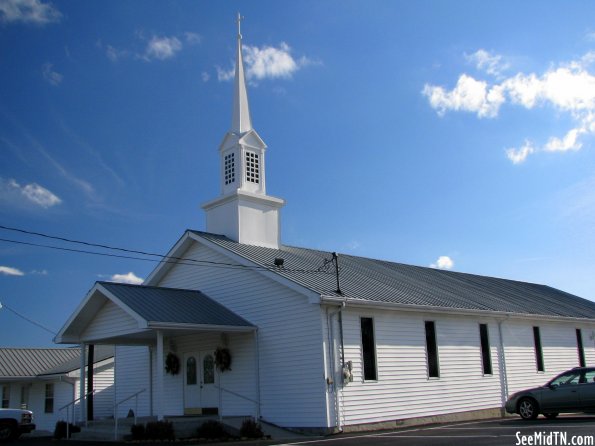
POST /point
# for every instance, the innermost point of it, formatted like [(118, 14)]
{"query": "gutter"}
[(358, 303), (332, 358)]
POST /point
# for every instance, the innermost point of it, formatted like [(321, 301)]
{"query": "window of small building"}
[(5, 396), (538, 350), (486, 357), (230, 170), (49, 398), (208, 370), (432, 350), (368, 349), (24, 397), (580, 348)]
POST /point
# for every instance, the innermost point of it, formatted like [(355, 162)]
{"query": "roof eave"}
[(445, 310)]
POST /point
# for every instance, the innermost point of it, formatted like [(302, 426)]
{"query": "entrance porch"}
[(166, 341)]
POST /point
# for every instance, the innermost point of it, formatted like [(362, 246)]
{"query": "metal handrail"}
[(134, 395), (256, 403), (67, 407)]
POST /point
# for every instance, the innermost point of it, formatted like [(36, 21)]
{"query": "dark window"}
[(432, 350), (579, 347), (5, 396), (486, 357), (191, 371), (208, 370), (368, 349), (538, 351), (49, 398)]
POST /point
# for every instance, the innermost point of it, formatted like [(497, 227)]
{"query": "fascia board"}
[(59, 338), (200, 327), (176, 251), (311, 295), (356, 303)]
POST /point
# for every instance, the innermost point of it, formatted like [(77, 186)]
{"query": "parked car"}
[(14, 422), (571, 391)]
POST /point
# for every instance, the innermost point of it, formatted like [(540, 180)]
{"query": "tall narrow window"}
[(579, 347), (486, 357), (49, 398), (432, 350), (24, 397), (538, 350), (208, 370), (5, 396), (368, 349), (230, 169)]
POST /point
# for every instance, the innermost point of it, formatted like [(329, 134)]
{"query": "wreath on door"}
[(172, 364), (223, 359)]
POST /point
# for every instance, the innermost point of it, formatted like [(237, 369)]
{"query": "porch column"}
[(82, 384), (159, 369)]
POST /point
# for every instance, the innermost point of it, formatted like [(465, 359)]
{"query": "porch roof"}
[(144, 309)]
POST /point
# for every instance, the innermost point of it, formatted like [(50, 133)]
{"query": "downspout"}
[(502, 363), (332, 358)]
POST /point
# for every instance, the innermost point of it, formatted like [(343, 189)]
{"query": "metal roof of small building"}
[(174, 306), (32, 362), (370, 280)]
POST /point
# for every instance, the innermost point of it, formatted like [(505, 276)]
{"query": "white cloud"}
[(490, 63), (468, 95), (130, 278), (13, 192), (205, 76), (8, 271), (53, 77), (443, 262), (518, 156), (162, 48), (192, 38), (115, 54), (28, 11), (568, 88), (266, 62)]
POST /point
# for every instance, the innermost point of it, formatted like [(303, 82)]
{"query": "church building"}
[(233, 322)]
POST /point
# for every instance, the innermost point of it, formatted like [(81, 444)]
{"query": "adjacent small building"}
[(46, 379), (234, 322)]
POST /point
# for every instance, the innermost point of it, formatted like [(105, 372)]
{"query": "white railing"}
[(135, 396), (256, 403), (67, 407)]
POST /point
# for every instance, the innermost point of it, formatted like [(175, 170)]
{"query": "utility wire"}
[(160, 257), (2, 306)]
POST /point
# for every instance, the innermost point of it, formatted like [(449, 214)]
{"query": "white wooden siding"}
[(403, 389), (103, 383), (131, 375), (290, 334), (558, 341), (109, 321)]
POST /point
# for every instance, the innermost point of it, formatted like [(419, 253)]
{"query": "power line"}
[(31, 321), (160, 258)]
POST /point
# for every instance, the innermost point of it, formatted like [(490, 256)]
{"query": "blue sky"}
[(431, 133)]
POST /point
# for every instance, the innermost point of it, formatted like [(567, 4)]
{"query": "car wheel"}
[(7, 431), (528, 409), (550, 416)]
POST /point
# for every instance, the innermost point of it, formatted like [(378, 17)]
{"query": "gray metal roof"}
[(373, 280), (174, 306), (32, 362)]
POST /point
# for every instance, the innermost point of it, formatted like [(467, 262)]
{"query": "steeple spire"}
[(241, 121)]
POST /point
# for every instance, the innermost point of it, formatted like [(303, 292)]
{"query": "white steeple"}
[(243, 212), (241, 121)]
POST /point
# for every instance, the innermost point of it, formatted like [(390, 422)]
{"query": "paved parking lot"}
[(566, 430)]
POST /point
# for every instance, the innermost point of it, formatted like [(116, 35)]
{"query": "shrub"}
[(137, 431), (160, 430), (60, 429), (212, 430), (251, 429)]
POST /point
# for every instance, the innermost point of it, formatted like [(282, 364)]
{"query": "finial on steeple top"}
[(239, 19)]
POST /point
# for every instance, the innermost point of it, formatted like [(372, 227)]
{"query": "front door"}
[(200, 380)]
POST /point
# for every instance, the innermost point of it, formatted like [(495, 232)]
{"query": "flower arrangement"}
[(223, 359), (172, 364)]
